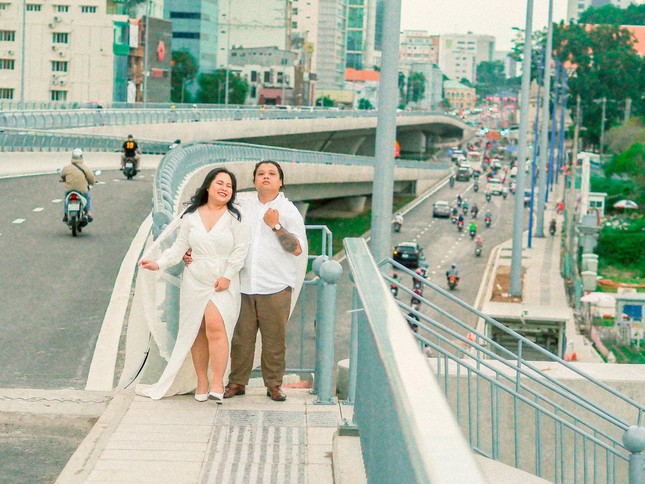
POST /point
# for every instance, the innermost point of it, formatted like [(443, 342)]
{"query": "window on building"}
[(59, 66), (34, 7), (186, 15), (254, 92), (60, 38), (7, 35), (254, 76), (88, 8), (3, 6), (7, 64), (267, 77), (62, 8), (294, 25), (185, 35), (6, 93), (295, 10), (58, 96)]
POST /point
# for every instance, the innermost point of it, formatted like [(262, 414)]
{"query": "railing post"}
[(330, 272), (315, 266), (353, 347), (634, 441)]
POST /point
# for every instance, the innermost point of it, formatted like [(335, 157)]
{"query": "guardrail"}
[(407, 430), (12, 139), (511, 409), (77, 118)]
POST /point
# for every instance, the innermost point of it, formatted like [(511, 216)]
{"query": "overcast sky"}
[(492, 17)]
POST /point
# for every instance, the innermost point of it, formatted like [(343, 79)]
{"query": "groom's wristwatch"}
[(276, 227)]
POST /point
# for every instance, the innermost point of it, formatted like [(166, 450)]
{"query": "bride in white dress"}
[(209, 305)]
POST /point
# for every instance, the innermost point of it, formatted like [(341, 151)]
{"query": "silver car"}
[(441, 208)]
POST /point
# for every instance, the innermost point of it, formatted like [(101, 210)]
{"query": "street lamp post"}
[(544, 134), (602, 127), (515, 288), (381, 239), (228, 48), (22, 54)]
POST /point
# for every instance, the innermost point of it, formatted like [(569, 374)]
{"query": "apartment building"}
[(419, 46), (459, 96), (60, 50), (459, 54)]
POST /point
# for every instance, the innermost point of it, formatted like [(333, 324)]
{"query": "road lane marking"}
[(101, 183), (57, 200), (18, 221), (38, 209)]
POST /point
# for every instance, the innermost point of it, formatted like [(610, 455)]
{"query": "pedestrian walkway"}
[(247, 439)]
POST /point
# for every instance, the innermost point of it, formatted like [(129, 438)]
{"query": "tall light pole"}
[(381, 240), (544, 132), (518, 218), (228, 48), (602, 127), (22, 54)]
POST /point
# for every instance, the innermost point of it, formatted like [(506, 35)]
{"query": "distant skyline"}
[(485, 17)]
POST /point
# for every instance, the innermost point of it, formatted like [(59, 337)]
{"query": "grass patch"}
[(628, 354), (345, 227)]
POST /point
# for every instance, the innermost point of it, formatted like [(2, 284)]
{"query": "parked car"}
[(441, 208), (408, 254)]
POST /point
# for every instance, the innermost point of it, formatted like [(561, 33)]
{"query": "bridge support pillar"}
[(412, 142), (356, 204)]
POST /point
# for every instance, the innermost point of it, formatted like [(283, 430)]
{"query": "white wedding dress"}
[(216, 253)]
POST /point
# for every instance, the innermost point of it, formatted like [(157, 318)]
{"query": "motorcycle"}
[(488, 196), (504, 194), (459, 201), (478, 250), (75, 215), (487, 222), (460, 226), (552, 227), (129, 168), (394, 289), (476, 187), (452, 181), (397, 226), (473, 233), (452, 282), (474, 213)]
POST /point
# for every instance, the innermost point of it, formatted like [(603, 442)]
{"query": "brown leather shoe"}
[(276, 394), (233, 389)]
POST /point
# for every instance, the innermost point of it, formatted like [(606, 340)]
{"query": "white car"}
[(495, 186)]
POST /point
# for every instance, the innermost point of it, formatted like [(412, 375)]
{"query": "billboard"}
[(158, 56)]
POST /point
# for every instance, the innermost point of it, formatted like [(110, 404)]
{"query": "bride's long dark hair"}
[(201, 194)]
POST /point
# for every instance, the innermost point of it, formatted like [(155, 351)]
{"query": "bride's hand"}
[(148, 264), (222, 284)]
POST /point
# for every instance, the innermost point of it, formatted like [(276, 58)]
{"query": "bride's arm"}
[(174, 253)]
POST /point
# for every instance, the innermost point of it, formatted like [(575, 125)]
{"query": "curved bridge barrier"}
[(548, 418)]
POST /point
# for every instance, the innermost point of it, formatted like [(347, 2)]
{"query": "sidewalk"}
[(247, 439)]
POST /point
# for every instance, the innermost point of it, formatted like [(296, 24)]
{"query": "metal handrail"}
[(401, 440), (576, 415)]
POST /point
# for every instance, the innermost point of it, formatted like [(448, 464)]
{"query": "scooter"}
[(452, 181), (460, 226), (452, 282), (129, 168), (478, 250), (473, 233), (476, 187), (487, 222), (397, 226), (76, 215), (488, 196), (552, 227), (394, 289)]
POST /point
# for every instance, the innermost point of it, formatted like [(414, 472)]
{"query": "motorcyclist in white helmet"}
[(78, 177)]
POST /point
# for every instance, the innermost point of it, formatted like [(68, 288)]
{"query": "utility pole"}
[(228, 48), (381, 240), (544, 134), (22, 54), (518, 213), (570, 205), (602, 127)]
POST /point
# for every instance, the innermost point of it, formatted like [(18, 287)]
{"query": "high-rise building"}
[(576, 7), (330, 68), (364, 33), (459, 54), (58, 51), (194, 23)]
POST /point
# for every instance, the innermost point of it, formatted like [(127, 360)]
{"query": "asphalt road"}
[(55, 288)]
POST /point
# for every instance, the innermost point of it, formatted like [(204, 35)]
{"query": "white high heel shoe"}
[(218, 397), (201, 397)]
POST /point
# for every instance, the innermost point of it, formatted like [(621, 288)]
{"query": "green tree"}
[(325, 101), (610, 14), (465, 82), (416, 87), (606, 66), (631, 164), (490, 78), (364, 103), (212, 88), (621, 138), (184, 70)]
